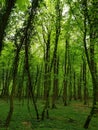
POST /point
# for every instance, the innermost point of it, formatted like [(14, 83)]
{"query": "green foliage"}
[(62, 118), (45, 23), (2, 3), (23, 4)]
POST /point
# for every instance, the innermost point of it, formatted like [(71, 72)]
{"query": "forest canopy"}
[(49, 52)]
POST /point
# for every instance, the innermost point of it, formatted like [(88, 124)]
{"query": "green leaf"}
[(23, 4)]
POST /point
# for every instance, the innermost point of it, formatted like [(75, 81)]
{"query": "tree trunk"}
[(65, 75), (38, 93), (55, 83), (84, 82), (4, 19), (54, 60), (29, 76), (47, 78), (80, 85), (74, 87), (70, 83), (91, 60), (20, 85), (15, 67)]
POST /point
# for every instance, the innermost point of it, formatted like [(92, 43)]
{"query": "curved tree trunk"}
[(15, 68), (24, 39), (4, 19), (91, 60)]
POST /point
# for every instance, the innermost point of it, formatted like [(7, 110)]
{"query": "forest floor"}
[(71, 117)]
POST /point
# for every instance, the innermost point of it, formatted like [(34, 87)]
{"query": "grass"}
[(71, 117)]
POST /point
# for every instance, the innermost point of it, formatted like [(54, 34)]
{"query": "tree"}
[(91, 59), (47, 76), (24, 39), (49, 52), (54, 59), (4, 17), (85, 81), (15, 69), (65, 75)]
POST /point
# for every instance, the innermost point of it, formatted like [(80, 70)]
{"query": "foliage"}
[(65, 21), (68, 118)]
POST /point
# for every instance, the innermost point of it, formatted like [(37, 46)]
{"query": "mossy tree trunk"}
[(92, 20)]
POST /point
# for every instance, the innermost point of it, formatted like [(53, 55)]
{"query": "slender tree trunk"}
[(15, 67), (80, 85), (65, 75), (6, 82), (35, 81), (55, 83), (70, 83), (38, 93), (74, 87), (54, 60), (47, 78), (29, 77), (24, 39), (3, 82), (91, 60), (20, 86), (4, 19), (84, 82)]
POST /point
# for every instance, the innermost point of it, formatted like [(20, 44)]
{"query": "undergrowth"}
[(71, 117)]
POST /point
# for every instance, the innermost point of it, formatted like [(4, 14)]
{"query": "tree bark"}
[(74, 91), (15, 67), (4, 20), (80, 85), (91, 60), (54, 59), (85, 82), (29, 77), (47, 78)]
